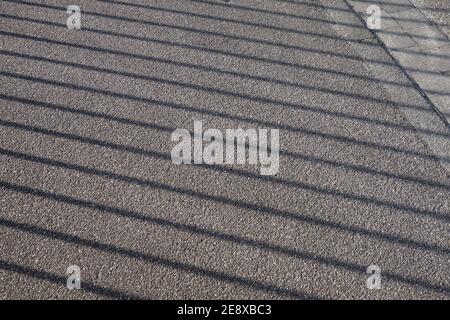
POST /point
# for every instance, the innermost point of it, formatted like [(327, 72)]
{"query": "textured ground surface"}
[(86, 177), (437, 10)]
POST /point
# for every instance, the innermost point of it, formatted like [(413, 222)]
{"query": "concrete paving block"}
[(393, 5), (410, 19), (414, 24), (426, 61), (433, 82), (388, 22), (436, 85), (441, 57), (395, 41), (385, 5), (428, 37), (442, 103), (437, 11), (359, 6), (437, 88)]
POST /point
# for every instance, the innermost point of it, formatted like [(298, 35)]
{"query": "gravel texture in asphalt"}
[(86, 176)]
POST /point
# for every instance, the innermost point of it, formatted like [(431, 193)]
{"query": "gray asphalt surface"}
[(86, 177)]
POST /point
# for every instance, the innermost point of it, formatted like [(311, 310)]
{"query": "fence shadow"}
[(436, 215)]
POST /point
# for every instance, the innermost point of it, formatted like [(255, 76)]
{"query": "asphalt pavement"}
[(86, 176)]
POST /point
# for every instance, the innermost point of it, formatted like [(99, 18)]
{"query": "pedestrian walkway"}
[(420, 46)]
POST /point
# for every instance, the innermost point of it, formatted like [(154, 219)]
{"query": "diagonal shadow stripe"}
[(219, 34), (319, 190), (291, 15), (215, 51), (256, 285), (322, 6), (399, 5), (175, 83), (218, 70), (222, 70), (177, 106), (407, 73), (152, 259), (283, 153), (396, 240), (258, 25), (213, 90), (52, 278)]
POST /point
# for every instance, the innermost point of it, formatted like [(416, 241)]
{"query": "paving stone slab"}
[(417, 43), (428, 37), (438, 11), (434, 61), (387, 5), (409, 19), (396, 41)]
